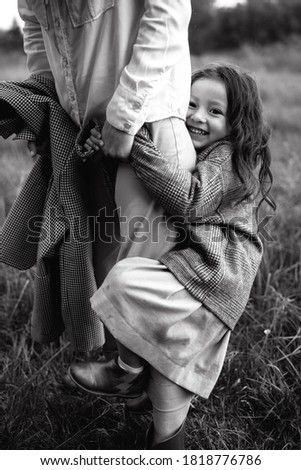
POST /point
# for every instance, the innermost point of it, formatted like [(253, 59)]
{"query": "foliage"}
[(211, 28), (12, 39), (253, 22)]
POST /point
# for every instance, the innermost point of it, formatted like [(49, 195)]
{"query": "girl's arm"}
[(192, 196)]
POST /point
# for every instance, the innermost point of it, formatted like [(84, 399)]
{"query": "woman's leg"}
[(170, 406), (103, 214), (145, 229)]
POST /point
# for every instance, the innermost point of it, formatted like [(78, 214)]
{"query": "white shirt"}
[(124, 60)]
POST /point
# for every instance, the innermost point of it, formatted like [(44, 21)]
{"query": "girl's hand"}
[(94, 142)]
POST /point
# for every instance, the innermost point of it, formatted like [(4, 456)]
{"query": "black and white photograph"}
[(150, 207)]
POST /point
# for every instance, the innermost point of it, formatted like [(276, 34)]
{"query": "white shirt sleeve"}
[(34, 47), (161, 42)]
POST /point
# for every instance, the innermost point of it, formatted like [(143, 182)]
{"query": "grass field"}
[(257, 401)]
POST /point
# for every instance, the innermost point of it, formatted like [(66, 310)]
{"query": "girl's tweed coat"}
[(219, 258)]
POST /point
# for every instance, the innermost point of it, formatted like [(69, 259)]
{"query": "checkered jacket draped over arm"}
[(38, 227)]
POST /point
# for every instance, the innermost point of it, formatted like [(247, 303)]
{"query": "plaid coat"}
[(37, 230), (219, 252)]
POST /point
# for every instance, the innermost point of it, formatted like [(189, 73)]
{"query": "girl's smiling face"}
[(206, 119)]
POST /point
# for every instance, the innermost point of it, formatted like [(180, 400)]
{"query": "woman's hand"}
[(116, 143)]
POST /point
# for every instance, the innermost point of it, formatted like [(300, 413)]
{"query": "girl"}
[(174, 316)]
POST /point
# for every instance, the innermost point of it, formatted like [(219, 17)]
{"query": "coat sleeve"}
[(161, 42), (34, 47), (193, 196)]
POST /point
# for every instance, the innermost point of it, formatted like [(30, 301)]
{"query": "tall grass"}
[(257, 401)]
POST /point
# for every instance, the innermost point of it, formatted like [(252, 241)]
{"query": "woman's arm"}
[(37, 62), (161, 42)]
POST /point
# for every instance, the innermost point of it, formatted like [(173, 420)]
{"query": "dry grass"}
[(257, 401)]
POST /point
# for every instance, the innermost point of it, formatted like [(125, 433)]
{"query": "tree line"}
[(252, 22), (11, 40), (256, 22)]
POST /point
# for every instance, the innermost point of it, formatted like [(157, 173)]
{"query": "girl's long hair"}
[(250, 133)]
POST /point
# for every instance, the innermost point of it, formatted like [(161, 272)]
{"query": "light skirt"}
[(149, 311)]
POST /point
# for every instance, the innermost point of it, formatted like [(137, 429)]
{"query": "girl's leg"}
[(170, 406), (130, 359)]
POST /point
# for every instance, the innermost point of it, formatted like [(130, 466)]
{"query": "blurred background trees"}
[(11, 40), (254, 22)]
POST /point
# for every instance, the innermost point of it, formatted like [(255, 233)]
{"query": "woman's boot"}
[(175, 442)]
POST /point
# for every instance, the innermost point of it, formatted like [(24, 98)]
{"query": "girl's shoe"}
[(175, 442), (107, 379)]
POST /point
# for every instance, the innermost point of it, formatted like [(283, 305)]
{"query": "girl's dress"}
[(147, 309)]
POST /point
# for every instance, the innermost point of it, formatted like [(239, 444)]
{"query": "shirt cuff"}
[(126, 112)]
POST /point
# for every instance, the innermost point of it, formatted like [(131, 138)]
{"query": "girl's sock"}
[(128, 368), (170, 405), (131, 361)]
